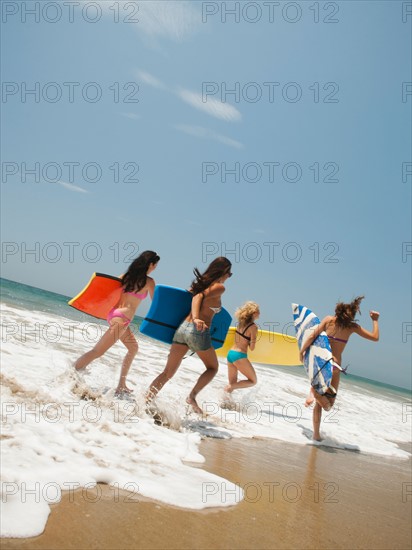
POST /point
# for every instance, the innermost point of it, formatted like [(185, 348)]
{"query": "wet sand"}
[(295, 497)]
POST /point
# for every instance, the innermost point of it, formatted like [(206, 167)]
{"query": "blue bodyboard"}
[(317, 359), (220, 327), (169, 308)]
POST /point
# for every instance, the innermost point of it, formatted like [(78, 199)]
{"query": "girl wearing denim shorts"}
[(193, 333)]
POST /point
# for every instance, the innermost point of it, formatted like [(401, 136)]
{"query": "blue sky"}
[(276, 136)]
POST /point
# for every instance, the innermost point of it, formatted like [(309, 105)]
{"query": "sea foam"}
[(60, 434)]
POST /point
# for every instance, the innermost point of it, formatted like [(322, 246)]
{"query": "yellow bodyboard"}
[(272, 348)]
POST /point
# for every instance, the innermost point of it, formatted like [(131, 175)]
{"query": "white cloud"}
[(175, 20), (205, 133), (150, 79), (72, 187), (211, 106), (172, 19)]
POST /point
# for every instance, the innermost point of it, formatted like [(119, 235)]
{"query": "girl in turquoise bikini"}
[(245, 338)]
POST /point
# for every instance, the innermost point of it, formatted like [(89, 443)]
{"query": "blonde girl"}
[(245, 338)]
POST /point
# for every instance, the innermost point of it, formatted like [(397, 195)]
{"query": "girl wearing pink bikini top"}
[(136, 286)]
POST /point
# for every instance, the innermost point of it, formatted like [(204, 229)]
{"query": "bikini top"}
[(337, 339), (248, 338), (141, 295), (216, 309)]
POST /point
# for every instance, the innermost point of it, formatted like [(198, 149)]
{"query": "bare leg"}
[(177, 352), (317, 417), (211, 363), (335, 379), (325, 403), (129, 340), (310, 398), (322, 401), (232, 376), (109, 338), (245, 367)]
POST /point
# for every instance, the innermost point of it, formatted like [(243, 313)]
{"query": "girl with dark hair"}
[(193, 333), (136, 285), (338, 328)]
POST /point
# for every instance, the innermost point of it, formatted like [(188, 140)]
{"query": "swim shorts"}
[(196, 340), (233, 356)]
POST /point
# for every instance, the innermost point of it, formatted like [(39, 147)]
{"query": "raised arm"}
[(374, 335)]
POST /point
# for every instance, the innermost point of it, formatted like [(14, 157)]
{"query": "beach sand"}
[(295, 497)]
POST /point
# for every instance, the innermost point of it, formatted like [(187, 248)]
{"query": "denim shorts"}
[(196, 340)]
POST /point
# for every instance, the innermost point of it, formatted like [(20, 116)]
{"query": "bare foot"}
[(79, 369), (192, 402), (310, 398), (228, 388), (316, 437), (322, 400), (123, 389)]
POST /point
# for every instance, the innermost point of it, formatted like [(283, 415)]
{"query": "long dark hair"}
[(219, 267), (135, 277), (345, 313)]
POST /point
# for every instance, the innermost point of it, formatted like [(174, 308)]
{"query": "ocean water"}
[(61, 434)]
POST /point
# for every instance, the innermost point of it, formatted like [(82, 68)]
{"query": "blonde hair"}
[(244, 314)]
